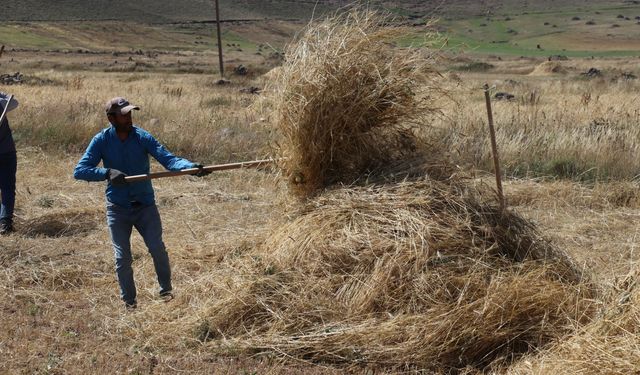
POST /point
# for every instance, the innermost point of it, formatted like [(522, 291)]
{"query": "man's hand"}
[(202, 172), (115, 177)]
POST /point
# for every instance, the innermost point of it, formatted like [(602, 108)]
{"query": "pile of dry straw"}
[(418, 272), (609, 344), (345, 102)]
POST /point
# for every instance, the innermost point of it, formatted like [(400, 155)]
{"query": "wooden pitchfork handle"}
[(5, 109), (210, 168)]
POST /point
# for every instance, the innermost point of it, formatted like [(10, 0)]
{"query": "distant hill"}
[(154, 11), (165, 11), (575, 28)]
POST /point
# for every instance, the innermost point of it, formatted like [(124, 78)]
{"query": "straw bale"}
[(346, 102), (419, 274)]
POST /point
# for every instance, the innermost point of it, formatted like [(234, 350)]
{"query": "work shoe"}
[(6, 227), (166, 295)]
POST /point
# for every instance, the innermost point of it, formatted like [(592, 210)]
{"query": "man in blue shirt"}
[(8, 167), (124, 150)]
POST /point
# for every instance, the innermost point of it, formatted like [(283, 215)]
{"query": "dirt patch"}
[(65, 223)]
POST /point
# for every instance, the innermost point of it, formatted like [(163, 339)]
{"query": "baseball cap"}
[(120, 105)]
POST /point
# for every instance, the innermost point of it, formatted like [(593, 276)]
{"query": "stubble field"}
[(568, 145)]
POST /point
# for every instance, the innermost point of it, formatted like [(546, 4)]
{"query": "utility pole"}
[(219, 40)]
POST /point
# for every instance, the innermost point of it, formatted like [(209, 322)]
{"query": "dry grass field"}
[(569, 148)]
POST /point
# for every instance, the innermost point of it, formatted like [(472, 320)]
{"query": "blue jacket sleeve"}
[(164, 157), (87, 168)]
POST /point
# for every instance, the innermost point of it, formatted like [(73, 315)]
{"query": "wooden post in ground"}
[(494, 148), (219, 40)]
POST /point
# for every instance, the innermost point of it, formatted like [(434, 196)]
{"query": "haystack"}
[(548, 68), (345, 102), (383, 263), (419, 274)]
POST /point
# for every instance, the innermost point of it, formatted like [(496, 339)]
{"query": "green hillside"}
[(593, 30), (501, 27)]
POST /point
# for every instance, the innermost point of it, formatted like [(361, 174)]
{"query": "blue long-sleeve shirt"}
[(131, 157)]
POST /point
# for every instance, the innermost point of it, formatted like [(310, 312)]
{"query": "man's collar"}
[(114, 132), (133, 127)]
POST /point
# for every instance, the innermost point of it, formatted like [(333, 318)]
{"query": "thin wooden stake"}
[(219, 40), (494, 148)]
